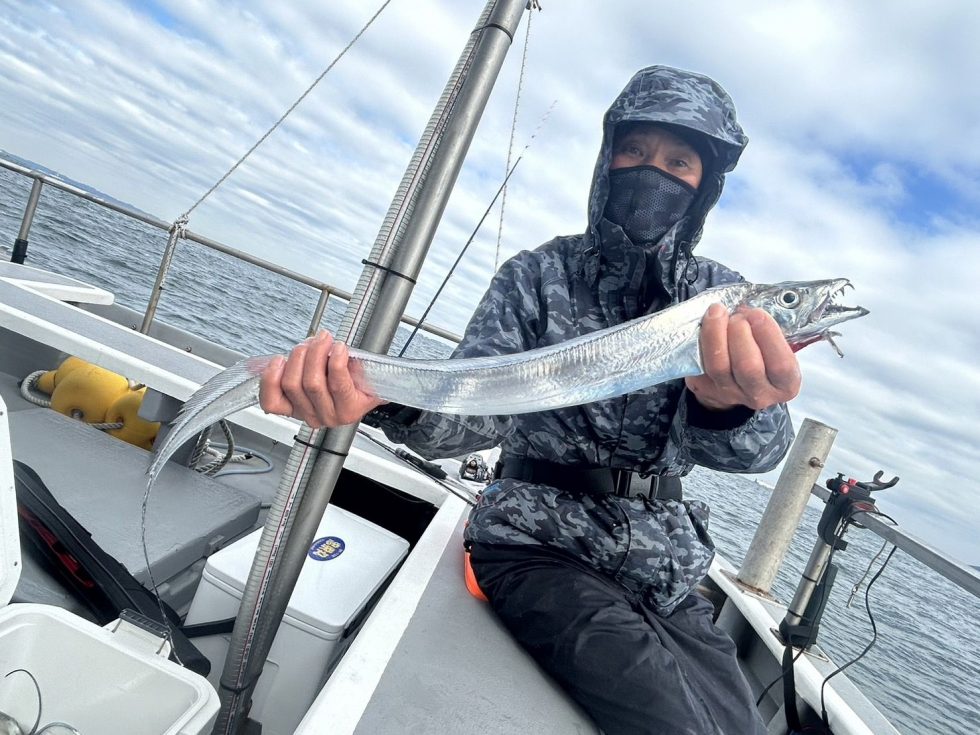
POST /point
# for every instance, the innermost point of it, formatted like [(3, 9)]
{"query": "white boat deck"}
[(54, 285)]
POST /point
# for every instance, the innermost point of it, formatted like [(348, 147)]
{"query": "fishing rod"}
[(452, 268), (500, 190)]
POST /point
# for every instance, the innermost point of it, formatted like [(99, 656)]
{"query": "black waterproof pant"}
[(632, 670)]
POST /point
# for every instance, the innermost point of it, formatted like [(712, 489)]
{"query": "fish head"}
[(805, 310)]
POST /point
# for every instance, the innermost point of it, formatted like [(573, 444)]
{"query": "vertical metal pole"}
[(176, 231), (321, 306), (19, 253), (786, 505)]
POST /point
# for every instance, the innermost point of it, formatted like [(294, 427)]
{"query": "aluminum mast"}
[(370, 322)]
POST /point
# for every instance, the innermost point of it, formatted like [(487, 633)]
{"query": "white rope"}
[(237, 457), (78, 415), (27, 387), (108, 426)]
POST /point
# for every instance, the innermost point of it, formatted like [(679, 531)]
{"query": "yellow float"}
[(135, 430), (95, 395), (49, 380), (87, 392)]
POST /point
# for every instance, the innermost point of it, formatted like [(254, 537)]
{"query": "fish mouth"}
[(830, 313)]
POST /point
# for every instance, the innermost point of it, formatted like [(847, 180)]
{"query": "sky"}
[(863, 120)]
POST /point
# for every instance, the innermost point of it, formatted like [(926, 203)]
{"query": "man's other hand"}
[(314, 384), (747, 361)]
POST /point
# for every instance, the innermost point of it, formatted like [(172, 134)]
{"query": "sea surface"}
[(923, 672)]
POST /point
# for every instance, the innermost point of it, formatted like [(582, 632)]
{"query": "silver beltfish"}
[(604, 364)]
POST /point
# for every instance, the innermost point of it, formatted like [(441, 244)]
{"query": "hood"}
[(662, 94)]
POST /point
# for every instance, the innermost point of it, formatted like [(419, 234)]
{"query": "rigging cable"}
[(178, 229), (857, 585), (513, 130), (874, 637), (292, 107)]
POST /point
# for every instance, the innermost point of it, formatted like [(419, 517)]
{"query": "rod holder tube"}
[(808, 583), (786, 505), (19, 253)]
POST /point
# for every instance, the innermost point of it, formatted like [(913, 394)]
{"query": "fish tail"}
[(231, 390)]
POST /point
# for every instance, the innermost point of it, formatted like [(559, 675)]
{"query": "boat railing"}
[(326, 290), (806, 460), (955, 571)]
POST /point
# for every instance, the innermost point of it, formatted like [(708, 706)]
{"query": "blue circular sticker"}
[(326, 548)]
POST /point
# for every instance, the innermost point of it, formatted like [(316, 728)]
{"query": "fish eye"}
[(789, 299)]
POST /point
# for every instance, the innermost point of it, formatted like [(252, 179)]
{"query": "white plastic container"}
[(348, 562), (98, 680)]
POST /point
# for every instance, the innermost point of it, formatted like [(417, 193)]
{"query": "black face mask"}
[(646, 202)]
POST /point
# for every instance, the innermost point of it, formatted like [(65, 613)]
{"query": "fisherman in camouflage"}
[(583, 545)]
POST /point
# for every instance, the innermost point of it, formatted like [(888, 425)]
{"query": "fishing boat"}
[(322, 576)]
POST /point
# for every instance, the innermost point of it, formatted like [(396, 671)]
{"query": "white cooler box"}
[(98, 680), (349, 561)]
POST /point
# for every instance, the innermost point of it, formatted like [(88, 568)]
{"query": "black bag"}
[(97, 579)]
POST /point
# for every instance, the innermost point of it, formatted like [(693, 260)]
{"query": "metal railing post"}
[(321, 306), (785, 509), (176, 232), (19, 253)]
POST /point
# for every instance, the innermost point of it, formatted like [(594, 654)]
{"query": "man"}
[(589, 562)]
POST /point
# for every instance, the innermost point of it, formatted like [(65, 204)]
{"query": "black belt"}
[(597, 480)]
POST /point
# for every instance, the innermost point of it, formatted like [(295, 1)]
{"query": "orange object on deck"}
[(471, 584)]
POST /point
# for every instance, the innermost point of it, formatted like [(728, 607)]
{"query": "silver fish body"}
[(637, 354), (591, 367)]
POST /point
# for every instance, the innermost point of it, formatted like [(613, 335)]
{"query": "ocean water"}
[(923, 673)]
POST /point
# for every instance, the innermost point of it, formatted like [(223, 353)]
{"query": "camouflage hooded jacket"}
[(579, 284)]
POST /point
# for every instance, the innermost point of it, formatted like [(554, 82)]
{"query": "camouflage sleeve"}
[(436, 435), (505, 321), (751, 442)]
